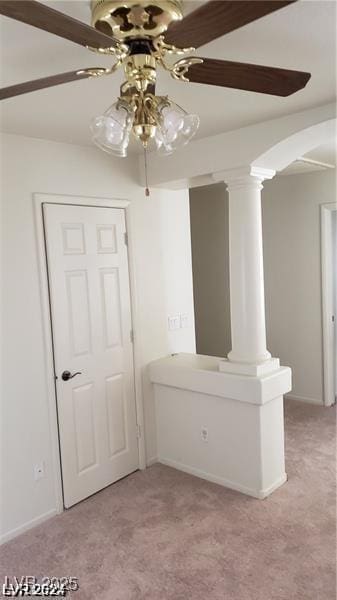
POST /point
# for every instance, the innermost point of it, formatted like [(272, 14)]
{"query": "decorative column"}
[(249, 354)]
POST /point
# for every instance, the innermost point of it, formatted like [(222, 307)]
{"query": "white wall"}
[(292, 264), (163, 261), (177, 269), (291, 234)]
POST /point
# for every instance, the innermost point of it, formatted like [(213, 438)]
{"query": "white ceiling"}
[(322, 158), (325, 154), (300, 36)]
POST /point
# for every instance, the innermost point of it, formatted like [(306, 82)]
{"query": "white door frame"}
[(39, 200), (327, 303)]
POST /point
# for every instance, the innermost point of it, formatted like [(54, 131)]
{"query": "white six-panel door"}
[(91, 322)]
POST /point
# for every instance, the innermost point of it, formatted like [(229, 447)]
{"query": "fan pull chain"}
[(147, 191)]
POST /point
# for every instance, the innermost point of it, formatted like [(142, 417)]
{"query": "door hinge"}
[(132, 337), (126, 238), (333, 318), (139, 431)]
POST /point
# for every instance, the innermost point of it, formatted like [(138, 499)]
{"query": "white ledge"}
[(199, 373)]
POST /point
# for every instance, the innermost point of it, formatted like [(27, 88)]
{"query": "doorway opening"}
[(294, 275)]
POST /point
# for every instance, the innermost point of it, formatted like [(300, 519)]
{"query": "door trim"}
[(39, 199), (327, 304)]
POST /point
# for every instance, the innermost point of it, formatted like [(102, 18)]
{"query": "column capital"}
[(244, 177)]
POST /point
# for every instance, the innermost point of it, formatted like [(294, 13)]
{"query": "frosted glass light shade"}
[(111, 131), (176, 128)]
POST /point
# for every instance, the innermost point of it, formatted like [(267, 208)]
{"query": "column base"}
[(254, 370)]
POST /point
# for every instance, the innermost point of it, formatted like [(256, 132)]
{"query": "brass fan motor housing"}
[(127, 19)]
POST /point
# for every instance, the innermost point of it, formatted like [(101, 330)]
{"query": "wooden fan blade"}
[(49, 19), (244, 76), (45, 82), (215, 18)]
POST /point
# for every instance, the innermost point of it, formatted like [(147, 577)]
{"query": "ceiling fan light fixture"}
[(176, 127), (111, 131), (141, 36), (148, 117)]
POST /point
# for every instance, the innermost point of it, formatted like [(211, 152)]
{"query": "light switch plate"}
[(174, 322), (183, 321)]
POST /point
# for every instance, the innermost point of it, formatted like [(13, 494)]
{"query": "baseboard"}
[(304, 399), (6, 537), (259, 494), (267, 491), (152, 461)]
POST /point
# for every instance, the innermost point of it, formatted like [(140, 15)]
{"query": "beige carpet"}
[(164, 535)]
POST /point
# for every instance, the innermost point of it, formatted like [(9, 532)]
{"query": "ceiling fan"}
[(142, 35)]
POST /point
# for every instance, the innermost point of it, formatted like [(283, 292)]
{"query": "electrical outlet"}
[(39, 471), (204, 434)]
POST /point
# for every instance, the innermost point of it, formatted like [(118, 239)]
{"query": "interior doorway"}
[(93, 350)]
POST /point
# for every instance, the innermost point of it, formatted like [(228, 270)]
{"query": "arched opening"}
[(292, 256), (279, 156)]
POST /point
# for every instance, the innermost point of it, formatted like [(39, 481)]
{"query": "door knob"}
[(67, 375)]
